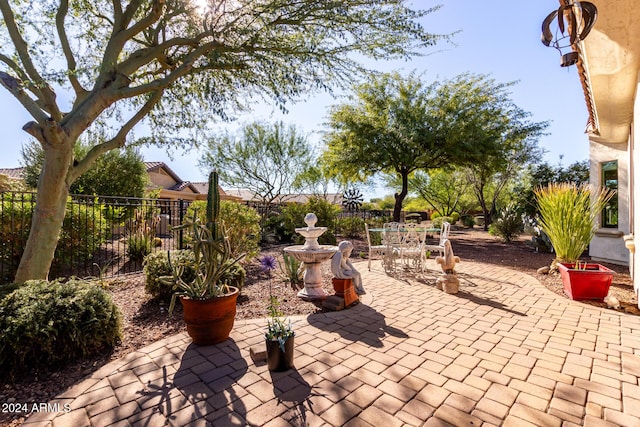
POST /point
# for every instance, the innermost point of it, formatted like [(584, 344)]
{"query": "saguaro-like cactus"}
[(213, 205)]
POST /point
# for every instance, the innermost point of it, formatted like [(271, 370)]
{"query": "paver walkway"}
[(503, 351)]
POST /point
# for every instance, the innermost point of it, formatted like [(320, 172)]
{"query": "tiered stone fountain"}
[(312, 255)]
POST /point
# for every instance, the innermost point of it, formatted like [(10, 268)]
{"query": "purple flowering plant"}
[(277, 328)]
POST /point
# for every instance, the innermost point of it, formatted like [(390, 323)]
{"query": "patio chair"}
[(444, 235), (392, 240), (412, 252), (375, 251)]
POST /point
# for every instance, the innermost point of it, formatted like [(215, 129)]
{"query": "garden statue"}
[(342, 268), (448, 280)]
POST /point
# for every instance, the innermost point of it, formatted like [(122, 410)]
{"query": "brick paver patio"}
[(503, 351)]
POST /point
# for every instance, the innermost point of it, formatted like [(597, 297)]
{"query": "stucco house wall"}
[(608, 244)]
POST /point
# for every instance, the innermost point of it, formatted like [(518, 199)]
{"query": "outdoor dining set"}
[(405, 246)]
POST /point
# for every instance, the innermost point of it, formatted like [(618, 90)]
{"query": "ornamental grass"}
[(569, 216)]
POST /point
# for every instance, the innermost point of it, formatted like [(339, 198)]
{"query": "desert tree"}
[(445, 191), (173, 65), (267, 159), (396, 125), (119, 172)]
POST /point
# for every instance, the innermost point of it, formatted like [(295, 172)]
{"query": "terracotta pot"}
[(278, 360), (210, 321), (591, 283)]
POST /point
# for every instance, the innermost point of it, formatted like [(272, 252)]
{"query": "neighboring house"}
[(12, 173), (161, 177), (608, 69), (249, 196), (172, 187)]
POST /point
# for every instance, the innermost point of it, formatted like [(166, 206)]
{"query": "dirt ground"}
[(146, 320)]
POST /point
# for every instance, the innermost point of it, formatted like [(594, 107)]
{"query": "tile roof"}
[(13, 173)]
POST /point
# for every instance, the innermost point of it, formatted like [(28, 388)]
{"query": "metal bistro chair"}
[(412, 251), (444, 235), (375, 251), (391, 240)]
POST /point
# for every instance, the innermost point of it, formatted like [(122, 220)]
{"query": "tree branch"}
[(40, 88), (117, 141), (66, 48), (14, 86)]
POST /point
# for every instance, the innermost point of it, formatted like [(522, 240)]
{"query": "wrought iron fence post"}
[(181, 214)]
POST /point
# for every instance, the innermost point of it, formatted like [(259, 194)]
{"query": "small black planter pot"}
[(278, 360)]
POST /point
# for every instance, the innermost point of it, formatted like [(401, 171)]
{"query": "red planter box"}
[(590, 283)]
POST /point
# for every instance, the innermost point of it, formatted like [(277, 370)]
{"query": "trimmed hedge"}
[(50, 323)]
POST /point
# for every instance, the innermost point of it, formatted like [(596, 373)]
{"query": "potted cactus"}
[(208, 301)]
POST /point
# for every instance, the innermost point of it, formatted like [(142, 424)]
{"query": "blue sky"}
[(498, 38)]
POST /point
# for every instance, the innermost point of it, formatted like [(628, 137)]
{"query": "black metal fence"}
[(101, 236), (108, 236)]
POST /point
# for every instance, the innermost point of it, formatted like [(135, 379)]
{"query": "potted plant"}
[(208, 301), (279, 338), (568, 217), (585, 281)]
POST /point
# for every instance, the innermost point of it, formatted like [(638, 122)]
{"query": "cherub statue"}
[(342, 268)]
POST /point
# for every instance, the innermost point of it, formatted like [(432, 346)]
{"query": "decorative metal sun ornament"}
[(572, 23), (352, 199)]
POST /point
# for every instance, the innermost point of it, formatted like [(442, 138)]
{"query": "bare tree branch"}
[(14, 86), (66, 48), (116, 142), (45, 94)]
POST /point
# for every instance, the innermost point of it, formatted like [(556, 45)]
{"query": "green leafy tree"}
[(541, 175), (266, 159), (120, 172), (445, 191), (173, 65), (392, 125), (314, 180), (500, 133), (397, 126)]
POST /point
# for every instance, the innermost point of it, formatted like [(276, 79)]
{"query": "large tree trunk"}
[(397, 208), (49, 212)]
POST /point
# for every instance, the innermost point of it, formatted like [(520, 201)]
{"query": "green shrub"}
[(437, 222), (468, 220), (156, 265), (455, 216), (241, 224), (16, 212), (49, 323), (508, 225), (351, 226), (83, 231), (326, 212), (140, 234)]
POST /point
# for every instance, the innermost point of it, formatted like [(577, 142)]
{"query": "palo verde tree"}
[(174, 64), (445, 191), (266, 159)]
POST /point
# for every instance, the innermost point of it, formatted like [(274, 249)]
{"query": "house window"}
[(610, 180)]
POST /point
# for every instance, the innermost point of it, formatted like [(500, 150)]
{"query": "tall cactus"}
[(213, 205)]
